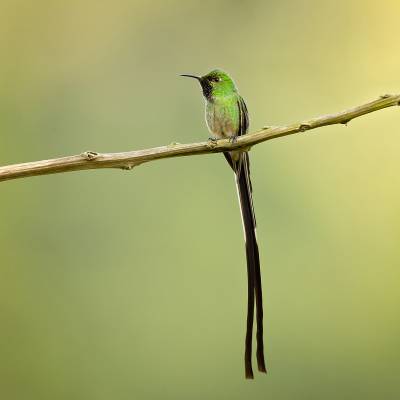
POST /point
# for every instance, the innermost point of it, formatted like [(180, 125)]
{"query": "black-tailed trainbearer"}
[(227, 117)]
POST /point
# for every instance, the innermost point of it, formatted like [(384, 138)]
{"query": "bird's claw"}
[(212, 142), (233, 139)]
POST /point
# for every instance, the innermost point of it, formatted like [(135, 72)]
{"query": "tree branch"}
[(128, 160)]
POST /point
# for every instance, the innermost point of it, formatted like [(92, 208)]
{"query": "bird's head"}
[(215, 83)]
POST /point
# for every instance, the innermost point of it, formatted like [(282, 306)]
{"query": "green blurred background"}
[(132, 285)]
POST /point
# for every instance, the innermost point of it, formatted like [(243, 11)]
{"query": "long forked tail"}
[(254, 288)]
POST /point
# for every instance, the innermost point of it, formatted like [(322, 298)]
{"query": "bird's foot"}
[(233, 139), (212, 142)]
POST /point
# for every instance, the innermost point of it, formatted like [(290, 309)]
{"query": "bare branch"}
[(130, 159)]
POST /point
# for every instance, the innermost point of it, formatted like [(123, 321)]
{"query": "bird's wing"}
[(243, 117)]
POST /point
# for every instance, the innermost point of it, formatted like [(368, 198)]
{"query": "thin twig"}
[(128, 160)]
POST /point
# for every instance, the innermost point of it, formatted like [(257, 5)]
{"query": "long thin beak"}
[(191, 76)]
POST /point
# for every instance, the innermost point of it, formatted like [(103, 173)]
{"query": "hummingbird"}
[(227, 118)]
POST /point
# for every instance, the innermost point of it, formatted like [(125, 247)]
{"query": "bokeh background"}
[(132, 285)]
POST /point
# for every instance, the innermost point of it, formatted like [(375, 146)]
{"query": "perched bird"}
[(227, 117)]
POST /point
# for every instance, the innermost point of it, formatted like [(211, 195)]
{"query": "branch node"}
[(304, 127), (345, 122), (89, 155), (385, 96), (128, 167)]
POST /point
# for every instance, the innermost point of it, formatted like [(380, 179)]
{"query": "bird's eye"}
[(216, 78)]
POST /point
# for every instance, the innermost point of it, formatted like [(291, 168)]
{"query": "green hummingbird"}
[(227, 117)]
